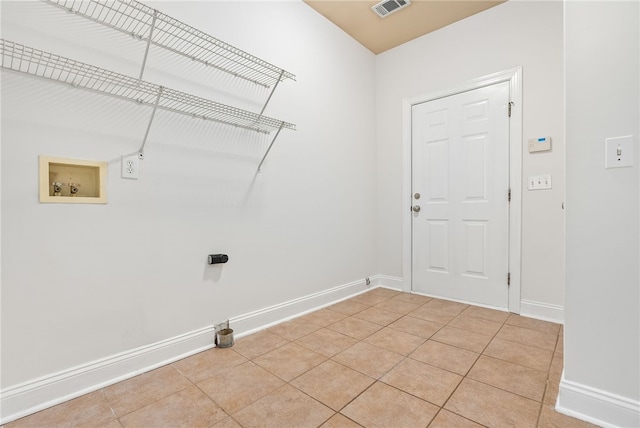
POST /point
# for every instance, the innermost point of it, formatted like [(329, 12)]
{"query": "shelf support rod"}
[(270, 145), (146, 134), (272, 91), (146, 51)]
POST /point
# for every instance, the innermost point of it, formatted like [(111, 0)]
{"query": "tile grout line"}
[(467, 373)]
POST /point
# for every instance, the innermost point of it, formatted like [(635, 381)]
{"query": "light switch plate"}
[(618, 152), (539, 182)]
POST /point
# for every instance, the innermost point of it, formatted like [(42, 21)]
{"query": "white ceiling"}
[(377, 34)]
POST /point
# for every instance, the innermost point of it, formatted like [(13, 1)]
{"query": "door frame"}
[(514, 77)]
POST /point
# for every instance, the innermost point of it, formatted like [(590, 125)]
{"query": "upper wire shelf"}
[(39, 63), (148, 24)]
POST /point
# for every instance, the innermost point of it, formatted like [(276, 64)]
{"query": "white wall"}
[(516, 33), (602, 332), (85, 282)]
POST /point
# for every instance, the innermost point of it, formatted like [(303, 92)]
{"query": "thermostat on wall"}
[(540, 144)]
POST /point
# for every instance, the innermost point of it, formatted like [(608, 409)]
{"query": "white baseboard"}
[(596, 406), (393, 282), (32, 396), (264, 318), (542, 311), (38, 394)]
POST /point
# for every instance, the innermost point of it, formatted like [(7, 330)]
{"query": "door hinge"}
[(508, 278), (510, 105), (509, 195)]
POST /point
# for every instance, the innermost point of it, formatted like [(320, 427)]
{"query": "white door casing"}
[(513, 78), (460, 183)]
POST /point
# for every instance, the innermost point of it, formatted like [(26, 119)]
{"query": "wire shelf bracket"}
[(148, 24), (146, 133), (38, 63)]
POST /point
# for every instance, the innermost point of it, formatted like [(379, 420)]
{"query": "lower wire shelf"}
[(35, 62)]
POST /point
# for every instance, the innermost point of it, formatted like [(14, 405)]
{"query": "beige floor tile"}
[(477, 325), (395, 341), (323, 317), (348, 307), (85, 411), (340, 421), (137, 392), (377, 316), (387, 293), (422, 380), (398, 306), (557, 364), (486, 314), (289, 361), (294, 329), (239, 386), (528, 356), (434, 315), (416, 326), (528, 337), (549, 418), (464, 339), (412, 298), (560, 344), (533, 324), (446, 306), (206, 364), (187, 408), (326, 342), (227, 423), (385, 406), (492, 407), (259, 343), (511, 377), (355, 327), (369, 299), (445, 356), (285, 407), (446, 419), (551, 393), (332, 384), (112, 424), (368, 359)]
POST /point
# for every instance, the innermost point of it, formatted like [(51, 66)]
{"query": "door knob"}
[(417, 195), (416, 208)]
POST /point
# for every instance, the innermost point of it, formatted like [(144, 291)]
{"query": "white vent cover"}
[(387, 7)]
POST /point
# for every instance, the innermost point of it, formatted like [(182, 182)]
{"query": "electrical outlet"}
[(131, 167)]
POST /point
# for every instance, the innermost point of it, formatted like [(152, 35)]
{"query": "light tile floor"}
[(381, 359)]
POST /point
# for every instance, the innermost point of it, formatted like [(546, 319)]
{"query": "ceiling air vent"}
[(387, 7)]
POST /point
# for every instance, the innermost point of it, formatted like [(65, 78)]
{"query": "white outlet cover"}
[(618, 152), (131, 167)]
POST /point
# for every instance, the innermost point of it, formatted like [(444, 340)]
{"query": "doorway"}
[(463, 183)]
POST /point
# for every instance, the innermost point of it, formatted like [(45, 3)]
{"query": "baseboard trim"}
[(267, 317), (542, 311), (32, 396), (386, 281), (597, 406), (38, 394)]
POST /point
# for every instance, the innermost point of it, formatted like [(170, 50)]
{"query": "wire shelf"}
[(148, 24), (39, 63)]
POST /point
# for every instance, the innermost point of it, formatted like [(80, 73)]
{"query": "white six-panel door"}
[(460, 185)]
